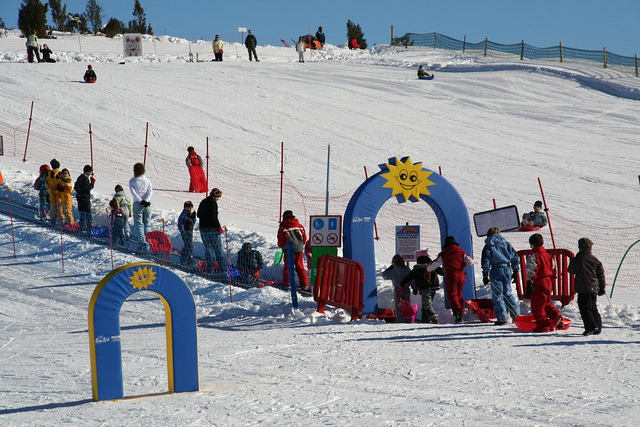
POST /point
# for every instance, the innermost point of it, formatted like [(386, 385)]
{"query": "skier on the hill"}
[(290, 230), (83, 186), (43, 191)]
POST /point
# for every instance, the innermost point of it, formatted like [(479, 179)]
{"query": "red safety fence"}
[(339, 283), (562, 284)]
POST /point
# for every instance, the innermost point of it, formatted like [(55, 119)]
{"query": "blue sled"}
[(426, 78)]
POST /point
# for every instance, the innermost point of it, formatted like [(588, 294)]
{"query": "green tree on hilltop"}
[(32, 15), (93, 13), (58, 14), (139, 23)]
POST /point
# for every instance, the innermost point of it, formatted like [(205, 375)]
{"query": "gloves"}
[(485, 278), (145, 204), (529, 289), (601, 292), (220, 230), (514, 274)]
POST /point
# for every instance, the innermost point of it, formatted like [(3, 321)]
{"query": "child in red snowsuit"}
[(453, 259), (539, 273), (292, 231)]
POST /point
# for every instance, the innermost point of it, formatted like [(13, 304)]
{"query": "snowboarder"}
[(83, 186), (291, 231), (198, 182)]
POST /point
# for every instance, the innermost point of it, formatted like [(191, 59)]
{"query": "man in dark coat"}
[(250, 43), (210, 232), (83, 186), (590, 283), (320, 36)]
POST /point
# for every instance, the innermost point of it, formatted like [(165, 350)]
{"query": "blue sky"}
[(583, 24)]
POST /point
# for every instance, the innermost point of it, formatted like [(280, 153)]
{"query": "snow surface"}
[(493, 125)]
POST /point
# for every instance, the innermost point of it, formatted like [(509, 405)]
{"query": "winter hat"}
[(119, 188), (216, 192), (585, 244), (450, 240), (44, 168), (55, 164), (287, 215), (89, 66), (537, 204), (423, 259), (217, 36), (190, 149), (246, 246), (188, 204), (87, 168)]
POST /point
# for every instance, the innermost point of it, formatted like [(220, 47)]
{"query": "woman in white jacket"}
[(301, 46)]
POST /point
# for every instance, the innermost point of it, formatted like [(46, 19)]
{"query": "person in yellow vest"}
[(54, 197), (218, 48), (65, 189)]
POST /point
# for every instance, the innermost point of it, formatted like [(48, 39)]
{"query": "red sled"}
[(482, 309), (159, 242), (407, 310), (527, 322), (528, 228), (386, 314), (198, 183)]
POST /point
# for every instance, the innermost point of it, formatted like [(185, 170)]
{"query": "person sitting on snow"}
[(90, 75), (249, 262), (422, 73), (535, 218)]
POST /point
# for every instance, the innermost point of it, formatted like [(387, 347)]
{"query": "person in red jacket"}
[(539, 267), (291, 231), (198, 182), (454, 260)]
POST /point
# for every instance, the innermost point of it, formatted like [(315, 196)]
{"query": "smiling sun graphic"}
[(143, 278), (407, 179)]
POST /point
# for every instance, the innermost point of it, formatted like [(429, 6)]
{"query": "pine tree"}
[(355, 32), (139, 24), (32, 15), (93, 13), (58, 14), (113, 27)]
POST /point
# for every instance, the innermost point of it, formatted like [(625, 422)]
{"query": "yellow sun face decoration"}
[(143, 278), (407, 179)]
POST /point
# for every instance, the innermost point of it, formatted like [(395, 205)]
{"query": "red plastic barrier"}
[(339, 283), (562, 285), (159, 242)]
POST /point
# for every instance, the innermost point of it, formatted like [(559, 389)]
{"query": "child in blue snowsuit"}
[(500, 263), (186, 222)]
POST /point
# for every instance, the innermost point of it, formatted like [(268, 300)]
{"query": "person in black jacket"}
[(426, 284), (83, 186), (320, 36), (251, 43), (210, 232), (249, 262), (589, 283), (90, 75), (46, 54)]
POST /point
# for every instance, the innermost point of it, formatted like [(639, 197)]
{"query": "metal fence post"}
[(604, 56), (522, 50), (486, 42)]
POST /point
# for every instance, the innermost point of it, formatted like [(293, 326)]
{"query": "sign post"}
[(325, 237), (407, 241)]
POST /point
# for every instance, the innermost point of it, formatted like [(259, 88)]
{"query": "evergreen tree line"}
[(32, 15)]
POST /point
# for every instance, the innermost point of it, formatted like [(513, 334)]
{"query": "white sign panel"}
[(132, 44), (506, 219), (326, 231), (407, 241), (242, 29)]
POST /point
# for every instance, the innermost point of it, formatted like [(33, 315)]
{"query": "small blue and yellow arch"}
[(104, 327)]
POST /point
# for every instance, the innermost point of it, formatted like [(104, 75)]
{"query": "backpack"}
[(297, 241)]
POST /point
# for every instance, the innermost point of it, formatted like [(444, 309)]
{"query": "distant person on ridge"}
[(422, 73), (301, 47), (251, 43), (320, 36), (218, 48)]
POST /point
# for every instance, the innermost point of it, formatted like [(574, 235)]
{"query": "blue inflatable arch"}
[(104, 327), (443, 199)]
